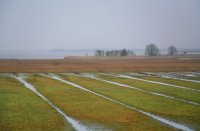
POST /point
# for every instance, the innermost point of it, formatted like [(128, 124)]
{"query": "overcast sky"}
[(89, 24)]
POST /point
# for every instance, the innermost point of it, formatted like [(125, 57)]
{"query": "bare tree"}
[(124, 52), (152, 50), (172, 50), (99, 53)]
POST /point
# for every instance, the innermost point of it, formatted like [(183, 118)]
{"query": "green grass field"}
[(173, 81), (192, 78), (91, 109), (185, 94), (20, 109), (168, 108)]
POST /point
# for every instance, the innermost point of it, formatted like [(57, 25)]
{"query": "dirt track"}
[(101, 64)]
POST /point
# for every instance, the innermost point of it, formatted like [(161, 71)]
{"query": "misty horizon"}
[(61, 53), (46, 25)]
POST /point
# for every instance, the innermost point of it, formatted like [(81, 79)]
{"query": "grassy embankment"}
[(90, 108), (185, 94), (20, 109), (168, 108)]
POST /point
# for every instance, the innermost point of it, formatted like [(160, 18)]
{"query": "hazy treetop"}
[(77, 24)]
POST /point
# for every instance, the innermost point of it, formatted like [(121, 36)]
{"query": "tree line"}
[(151, 50), (122, 52)]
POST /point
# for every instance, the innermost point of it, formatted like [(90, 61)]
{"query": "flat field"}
[(168, 108), (92, 109), (96, 104), (23, 110), (185, 94), (176, 82), (102, 64)]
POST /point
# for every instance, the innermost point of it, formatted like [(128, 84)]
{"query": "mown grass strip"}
[(175, 110), (93, 109), (23, 110), (184, 94)]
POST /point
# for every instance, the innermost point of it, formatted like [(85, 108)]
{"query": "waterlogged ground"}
[(172, 109), (185, 94), (20, 109), (97, 104), (188, 84), (92, 109)]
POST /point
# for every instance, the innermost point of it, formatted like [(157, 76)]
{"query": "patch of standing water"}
[(195, 73), (188, 80), (174, 76), (160, 119), (190, 75), (137, 74), (75, 124)]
